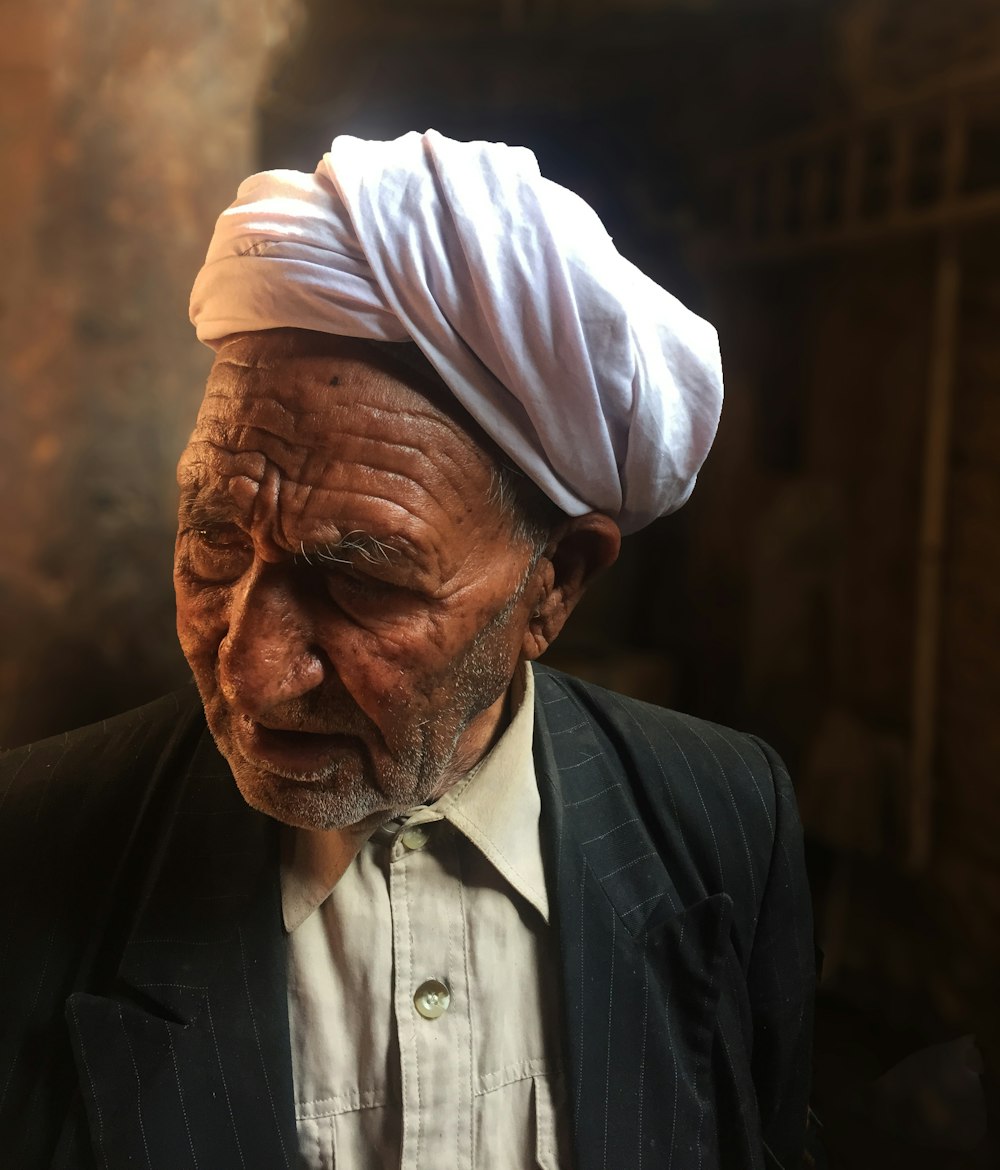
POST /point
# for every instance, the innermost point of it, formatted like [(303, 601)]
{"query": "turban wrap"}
[(596, 382)]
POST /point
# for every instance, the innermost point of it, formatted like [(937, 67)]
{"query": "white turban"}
[(595, 381)]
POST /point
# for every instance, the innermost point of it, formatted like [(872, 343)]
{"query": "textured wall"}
[(125, 128)]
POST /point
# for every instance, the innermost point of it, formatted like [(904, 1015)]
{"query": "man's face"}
[(348, 596)]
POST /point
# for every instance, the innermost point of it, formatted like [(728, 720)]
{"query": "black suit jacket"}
[(142, 977)]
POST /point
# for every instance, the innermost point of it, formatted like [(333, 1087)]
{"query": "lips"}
[(295, 754)]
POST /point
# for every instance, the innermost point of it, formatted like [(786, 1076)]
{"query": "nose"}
[(269, 654)]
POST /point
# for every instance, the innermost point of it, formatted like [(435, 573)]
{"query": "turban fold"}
[(601, 386)]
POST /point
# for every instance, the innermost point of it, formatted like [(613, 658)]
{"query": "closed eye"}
[(216, 552), (350, 579)]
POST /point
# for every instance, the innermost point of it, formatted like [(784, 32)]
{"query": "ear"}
[(580, 547)]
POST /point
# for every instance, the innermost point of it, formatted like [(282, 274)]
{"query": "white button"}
[(415, 837), (432, 999)]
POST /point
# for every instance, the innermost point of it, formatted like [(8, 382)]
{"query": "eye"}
[(349, 583), (217, 553)]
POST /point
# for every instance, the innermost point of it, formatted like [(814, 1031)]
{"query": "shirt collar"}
[(312, 862), (496, 807)]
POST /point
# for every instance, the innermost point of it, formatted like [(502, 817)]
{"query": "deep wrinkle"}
[(407, 493), (204, 510)]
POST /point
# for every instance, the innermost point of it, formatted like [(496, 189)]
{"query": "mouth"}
[(295, 755)]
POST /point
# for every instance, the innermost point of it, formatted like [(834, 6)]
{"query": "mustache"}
[(319, 714)]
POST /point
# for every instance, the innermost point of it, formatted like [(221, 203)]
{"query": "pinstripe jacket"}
[(142, 976)]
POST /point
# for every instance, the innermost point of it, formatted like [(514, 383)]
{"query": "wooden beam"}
[(930, 555), (902, 157), (722, 252)]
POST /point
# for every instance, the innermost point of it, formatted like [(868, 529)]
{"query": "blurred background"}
[(820, 178)]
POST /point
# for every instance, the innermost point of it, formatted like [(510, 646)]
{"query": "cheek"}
[(401, 671), (201, 622), (417, 670), (392, 670)]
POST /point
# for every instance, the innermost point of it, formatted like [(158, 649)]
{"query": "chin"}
[(309, 803)]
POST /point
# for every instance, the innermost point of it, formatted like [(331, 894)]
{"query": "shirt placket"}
[(431, 995)]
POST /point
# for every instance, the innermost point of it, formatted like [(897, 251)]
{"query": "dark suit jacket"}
[(142, 957)]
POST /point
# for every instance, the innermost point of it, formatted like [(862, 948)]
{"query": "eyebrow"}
[(201, 513), (363, 544), (198, 512)]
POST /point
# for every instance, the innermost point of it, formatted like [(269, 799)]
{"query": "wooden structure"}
[(926, 164), (931, 161)]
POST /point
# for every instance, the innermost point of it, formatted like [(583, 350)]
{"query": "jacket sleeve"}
[(781, 985)]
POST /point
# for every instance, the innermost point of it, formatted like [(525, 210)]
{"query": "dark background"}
[(820, 178)]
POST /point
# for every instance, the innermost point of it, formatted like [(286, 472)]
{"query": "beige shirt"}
[(423, 987)]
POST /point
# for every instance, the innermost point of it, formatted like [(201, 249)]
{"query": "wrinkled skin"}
[(345, 685)]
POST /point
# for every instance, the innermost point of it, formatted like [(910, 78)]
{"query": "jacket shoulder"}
[(716, 804), (81, 785), (651, 740)]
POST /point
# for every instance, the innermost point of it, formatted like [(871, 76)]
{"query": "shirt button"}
[(415, 837), (432, 999)]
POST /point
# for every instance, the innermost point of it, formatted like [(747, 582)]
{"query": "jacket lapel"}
[(187, 1061), (641, 970)]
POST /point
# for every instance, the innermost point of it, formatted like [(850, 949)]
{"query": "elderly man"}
[(455, 911)]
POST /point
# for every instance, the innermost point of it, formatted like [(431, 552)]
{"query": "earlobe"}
[(580, 548)]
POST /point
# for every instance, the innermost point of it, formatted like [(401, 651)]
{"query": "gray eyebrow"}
[(368, 547)]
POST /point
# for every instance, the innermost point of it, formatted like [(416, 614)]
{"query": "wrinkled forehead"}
[(309, 387)]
